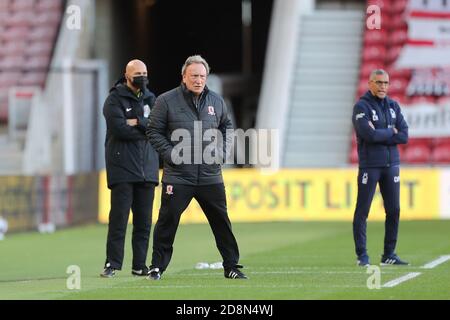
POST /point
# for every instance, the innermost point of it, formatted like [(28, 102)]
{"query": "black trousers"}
[(174, 200), (389, 181), (139, 198)]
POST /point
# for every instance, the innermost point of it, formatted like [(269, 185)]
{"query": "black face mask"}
[(140, 82)]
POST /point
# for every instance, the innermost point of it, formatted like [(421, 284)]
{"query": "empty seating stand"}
[(28, 30)]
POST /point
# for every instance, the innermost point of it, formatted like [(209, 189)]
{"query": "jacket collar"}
[(373, 100), (188, 94)]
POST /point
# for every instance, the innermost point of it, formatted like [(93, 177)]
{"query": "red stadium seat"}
[(9, 79), (441, 141), (441, 154), (423, 99), (399, 73), (398, 7), (3, 18), (20, 5), (363, 86), (39, 48), (421, 141), (354, 155), (15, 34), (37, 63), (28, 30), (3, 105), (401, 151), (393, 53), (33, 79), (444, 100), (386, 21), (397, 37), (417, 153), (48, 5), (385, 5), (14, 48), (375, 37), (398, 21), (19, 19), (402, 99), (368, 67), (46, 33), (398, 85), (374, 53), (12, 63), (5, 5), (51, 18)]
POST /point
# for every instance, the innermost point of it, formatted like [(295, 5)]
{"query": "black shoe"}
[(154, 274), (140, 272), (392, 260), (108, 272), (234, 272)]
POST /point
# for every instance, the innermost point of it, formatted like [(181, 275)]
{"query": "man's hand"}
[(132, 122), (371, 125), (395, 130)]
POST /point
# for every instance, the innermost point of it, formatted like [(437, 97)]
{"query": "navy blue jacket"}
[(130, 157), (378, 147)]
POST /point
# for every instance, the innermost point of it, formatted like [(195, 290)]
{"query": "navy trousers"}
[(389, 181)]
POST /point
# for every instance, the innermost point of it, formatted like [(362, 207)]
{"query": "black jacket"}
[(129, 155), (174, 110), (378, 148)]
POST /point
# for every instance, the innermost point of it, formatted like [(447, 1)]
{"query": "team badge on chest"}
[(374, 115), (211, 111)]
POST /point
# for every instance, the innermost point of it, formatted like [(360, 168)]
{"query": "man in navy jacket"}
[(379, 126)]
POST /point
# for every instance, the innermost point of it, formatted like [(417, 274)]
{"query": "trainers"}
[(108, 272), (154, 274), (392, 260), (363, 261), (140, 272), (234, 272)]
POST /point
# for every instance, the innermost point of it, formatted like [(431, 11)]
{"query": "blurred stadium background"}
[(291, 65)]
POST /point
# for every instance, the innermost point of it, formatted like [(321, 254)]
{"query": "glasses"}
[(379, 83)]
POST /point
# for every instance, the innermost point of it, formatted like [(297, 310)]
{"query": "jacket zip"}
[(386, 117), (197, 105)]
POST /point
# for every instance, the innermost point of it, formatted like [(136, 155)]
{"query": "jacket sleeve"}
[(157, 130), (143, 122), (361, 118), (116, 122), (402, 136), (224, 125)]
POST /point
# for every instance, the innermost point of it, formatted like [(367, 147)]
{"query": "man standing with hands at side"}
[(131, 166), (191, 108)]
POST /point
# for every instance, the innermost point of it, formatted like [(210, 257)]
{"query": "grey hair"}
[(192, 60), (377, 72)]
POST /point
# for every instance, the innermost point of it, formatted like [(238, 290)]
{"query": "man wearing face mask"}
[(131, 166)]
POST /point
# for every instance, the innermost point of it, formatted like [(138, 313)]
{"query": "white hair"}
[(192, 60)]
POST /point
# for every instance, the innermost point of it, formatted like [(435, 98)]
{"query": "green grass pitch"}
[(284, 260)]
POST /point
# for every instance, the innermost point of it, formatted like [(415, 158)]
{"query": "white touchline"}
[(434, 263), (397, 281), (411, 275)]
